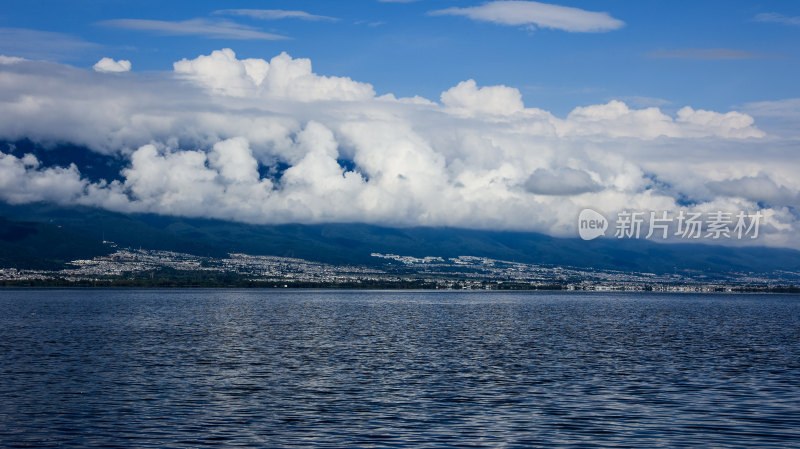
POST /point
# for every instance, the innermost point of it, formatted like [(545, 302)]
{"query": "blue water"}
[(250, 368)]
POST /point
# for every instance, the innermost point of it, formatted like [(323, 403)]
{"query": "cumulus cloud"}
[(282, 76), (730, 124), (537, 15), (271, 141), (466, 98), (23, 181), (616, 119), (110, 65)]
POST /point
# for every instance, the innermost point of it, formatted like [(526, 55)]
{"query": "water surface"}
[(264, 368)]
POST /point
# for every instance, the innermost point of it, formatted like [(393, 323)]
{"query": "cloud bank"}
[(271, 141)]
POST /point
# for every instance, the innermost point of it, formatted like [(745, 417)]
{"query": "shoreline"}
[(387, 286)]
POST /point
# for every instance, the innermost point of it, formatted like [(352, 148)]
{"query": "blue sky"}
[(530, 111), (710, 54)]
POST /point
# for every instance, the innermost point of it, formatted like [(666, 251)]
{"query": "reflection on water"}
[(189, 368)]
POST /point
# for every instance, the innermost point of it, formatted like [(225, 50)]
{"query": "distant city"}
[(141, 267)]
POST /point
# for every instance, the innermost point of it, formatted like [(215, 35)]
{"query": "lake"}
[(333, 369)]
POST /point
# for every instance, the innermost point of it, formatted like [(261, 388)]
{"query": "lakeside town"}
[(141, 267)]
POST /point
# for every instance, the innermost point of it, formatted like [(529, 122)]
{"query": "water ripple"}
[(332, 369)]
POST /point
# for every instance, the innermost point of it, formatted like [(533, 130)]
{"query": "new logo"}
[(591, 224)]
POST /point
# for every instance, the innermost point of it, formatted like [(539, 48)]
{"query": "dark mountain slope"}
[(32, 231)]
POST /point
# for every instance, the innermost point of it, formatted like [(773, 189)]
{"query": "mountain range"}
[(47, 236)]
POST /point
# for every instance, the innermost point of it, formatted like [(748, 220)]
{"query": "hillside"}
[(44, 236)]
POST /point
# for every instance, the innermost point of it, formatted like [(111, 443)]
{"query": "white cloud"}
[(466, 98), (222, 72), (537, 15), (275, 14), (214, 29), (222, 183), (23, 182), (196, 140), (10, 59), (731, 124), (777, 18), (282, 76), (110, 65), (615, 119)]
